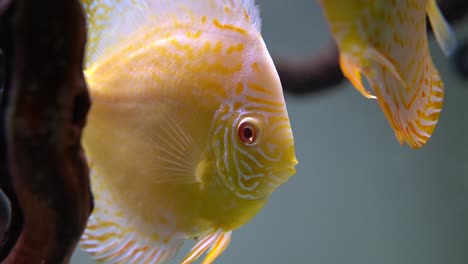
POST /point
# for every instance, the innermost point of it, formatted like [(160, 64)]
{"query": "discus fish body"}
[(386, 42), (188, 133)]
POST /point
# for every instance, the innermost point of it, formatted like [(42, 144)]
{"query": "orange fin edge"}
[(352, 72), (214, 244)]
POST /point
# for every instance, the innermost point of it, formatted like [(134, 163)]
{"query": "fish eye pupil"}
[(247, 132)]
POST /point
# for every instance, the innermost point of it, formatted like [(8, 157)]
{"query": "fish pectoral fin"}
[(380, 58), (176, 152), (215, 243), (353, 74), (443, 33)]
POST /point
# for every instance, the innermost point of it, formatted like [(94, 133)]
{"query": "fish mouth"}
[(291, 170), (292, 166), (294, 162), (286, 171)]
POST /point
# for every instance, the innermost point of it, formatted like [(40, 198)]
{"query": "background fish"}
[(188, 134), (386, 41)]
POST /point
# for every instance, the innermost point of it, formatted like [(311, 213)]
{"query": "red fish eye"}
[(247, 132)]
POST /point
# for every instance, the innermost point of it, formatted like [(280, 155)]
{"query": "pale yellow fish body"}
[(188, 134), (386, 42)]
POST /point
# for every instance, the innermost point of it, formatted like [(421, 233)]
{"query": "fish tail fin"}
[(443, 33), (214, 244), (107, 238)]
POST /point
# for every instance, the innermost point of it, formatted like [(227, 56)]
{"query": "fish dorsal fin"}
[(112, 22), (442, 31)]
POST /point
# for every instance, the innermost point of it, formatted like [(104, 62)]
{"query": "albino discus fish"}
[(386, 41), (188, 133)]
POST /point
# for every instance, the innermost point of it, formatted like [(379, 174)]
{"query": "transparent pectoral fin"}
[(353, 74), (171, 144), (387, 64)]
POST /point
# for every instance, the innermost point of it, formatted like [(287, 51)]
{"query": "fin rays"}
[(416, 123), (117, 20), (116, 242), (178, 161), (129, 251), (413, 120), (215, 243)]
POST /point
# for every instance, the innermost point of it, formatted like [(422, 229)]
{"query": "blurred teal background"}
[(358, 196)]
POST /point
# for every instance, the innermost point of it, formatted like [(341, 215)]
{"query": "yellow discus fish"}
[(188, 134), (386, 41)]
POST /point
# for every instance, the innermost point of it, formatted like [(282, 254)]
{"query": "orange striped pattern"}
[(386, 42)]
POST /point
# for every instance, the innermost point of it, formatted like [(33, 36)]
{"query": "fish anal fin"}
[(110, 238), (353, 73), (215, 243), (399, 137), (397, 88), (125, 248), (444, 34), (428, 117), (391, 111), (426, 113), (412, 116)]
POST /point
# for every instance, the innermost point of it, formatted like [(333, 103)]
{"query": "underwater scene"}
[(208, 142)]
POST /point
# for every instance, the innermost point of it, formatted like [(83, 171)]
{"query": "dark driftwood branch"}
[(47, 102), (315, 74), (322, 72), (6, 43)]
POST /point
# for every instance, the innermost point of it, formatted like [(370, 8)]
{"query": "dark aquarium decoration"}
[(44, 104)]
